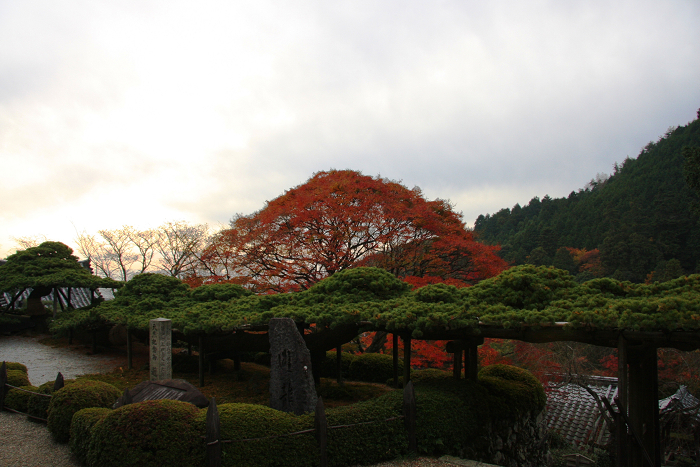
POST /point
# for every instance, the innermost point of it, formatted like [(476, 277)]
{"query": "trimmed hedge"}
[(512, 391), (68, 400), (370, 443), (17, 378), (81, 428), (372, 367), (18, 400), (328, 366), (39, 405), (452, 417), (16, 366), (144, 434), (426, 374), (245, 421)]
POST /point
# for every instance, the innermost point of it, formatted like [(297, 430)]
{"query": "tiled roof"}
[(683, 401), (573, 413)]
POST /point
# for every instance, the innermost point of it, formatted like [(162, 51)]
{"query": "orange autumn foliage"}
[(340, 219)]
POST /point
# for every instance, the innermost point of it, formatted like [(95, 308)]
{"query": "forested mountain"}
[(637, 224)]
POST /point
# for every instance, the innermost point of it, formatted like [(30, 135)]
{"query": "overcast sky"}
[(141, 112)]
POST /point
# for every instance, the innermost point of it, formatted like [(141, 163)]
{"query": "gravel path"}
[(44, 362), (28, 444)]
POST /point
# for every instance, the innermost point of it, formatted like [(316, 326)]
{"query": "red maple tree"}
[(341, 219)]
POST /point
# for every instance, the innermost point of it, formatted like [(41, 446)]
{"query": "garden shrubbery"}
[(17, 378), (451, 419), (512, 391), (81, 430), (150, 433), (372, 367), (38, 405), (18, 400), (16, 366), (68, 400), (329, 368)]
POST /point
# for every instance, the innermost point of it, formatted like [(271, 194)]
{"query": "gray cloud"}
[(212, 109)]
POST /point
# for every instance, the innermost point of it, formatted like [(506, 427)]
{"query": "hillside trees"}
[(340, 219), (638, 219)]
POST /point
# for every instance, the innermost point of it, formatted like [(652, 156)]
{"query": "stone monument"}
[(291, 382), (161, 349)]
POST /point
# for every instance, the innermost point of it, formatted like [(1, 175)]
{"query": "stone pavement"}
[(44, 362)]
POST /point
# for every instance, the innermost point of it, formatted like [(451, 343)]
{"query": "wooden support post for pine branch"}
[(201, 361), (455, 347), (129, 350), (213, 433), (321, 433), (409, 413), (471, 369), (406, 360), (317, 358), (457, 369), (55, 302), (3, 382), (395, 355), (643, 404), (623, 440), (339, 364)]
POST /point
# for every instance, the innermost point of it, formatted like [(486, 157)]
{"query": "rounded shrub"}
[(68, 400), (329, 368), (81, 430), (16, 366), (512, 390), (372, 368), (425, 375), (261, 425), (150, 433), (38, 405), (18, 400), (17, 378)]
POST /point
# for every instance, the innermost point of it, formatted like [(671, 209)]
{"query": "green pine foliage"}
[(51, 264), (521, 297), (638, 217)]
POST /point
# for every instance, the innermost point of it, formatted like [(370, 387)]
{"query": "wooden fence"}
[(320, 430), (5, 388)]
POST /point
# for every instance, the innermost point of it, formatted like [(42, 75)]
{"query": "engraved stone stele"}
[(291, 382), (175, 389), (161, 349)]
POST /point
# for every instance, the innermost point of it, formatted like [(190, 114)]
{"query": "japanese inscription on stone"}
[(161, 349), (291, 380)]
